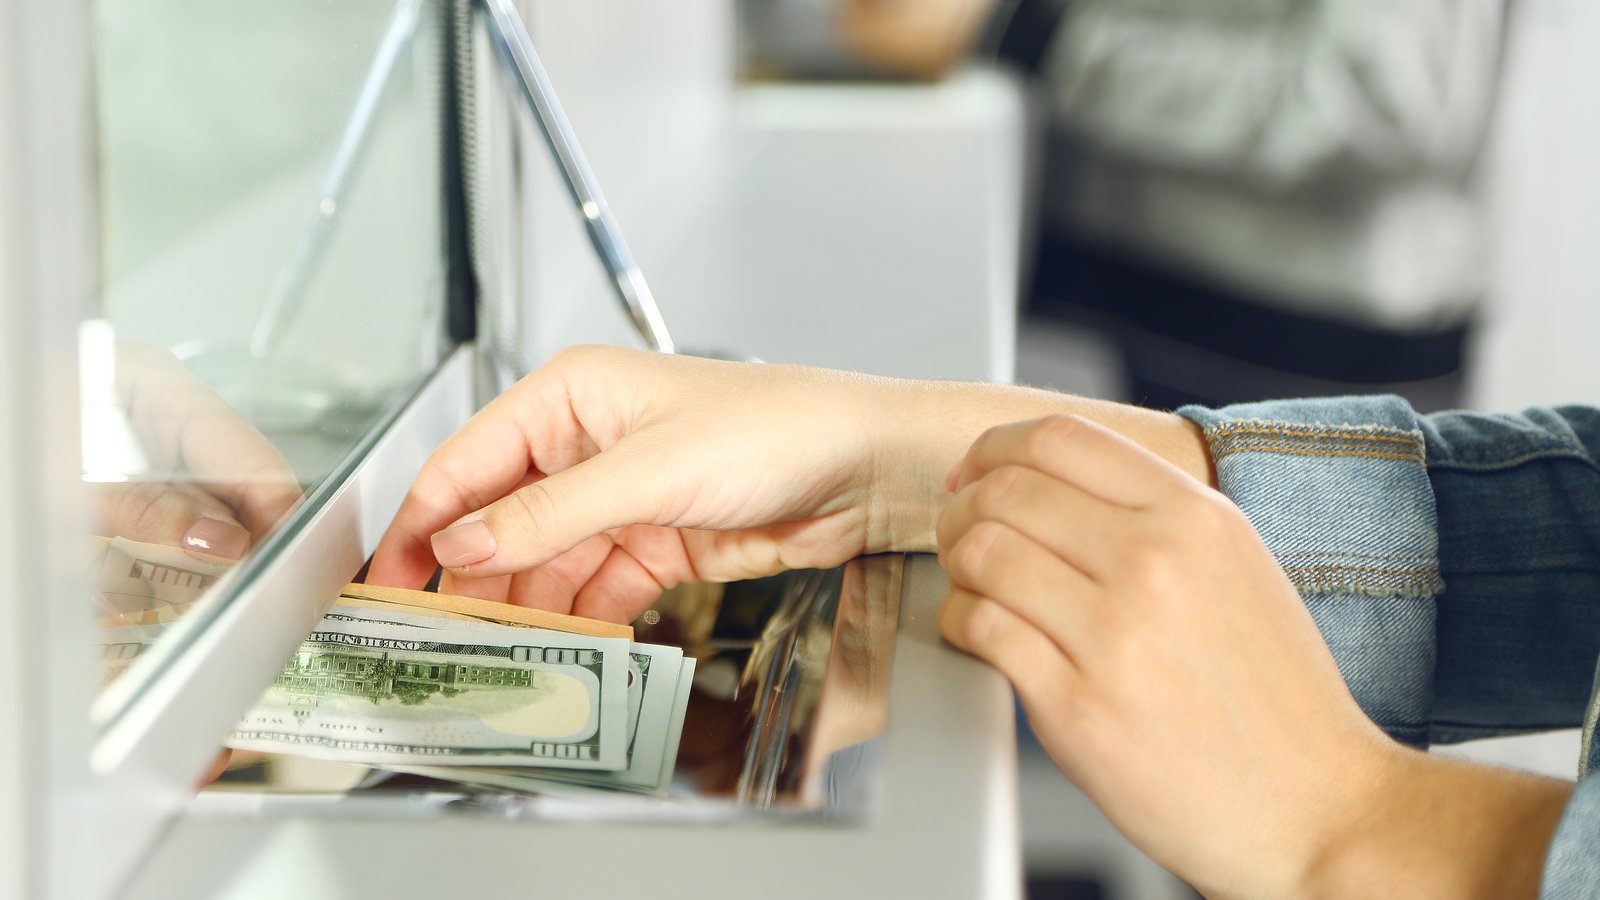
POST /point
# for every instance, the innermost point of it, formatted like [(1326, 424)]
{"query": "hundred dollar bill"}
[(376, 694), (647, 663), (650, 769), (388, 614)]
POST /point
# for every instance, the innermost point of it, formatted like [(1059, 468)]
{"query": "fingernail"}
[(216, 537), (464, 544)]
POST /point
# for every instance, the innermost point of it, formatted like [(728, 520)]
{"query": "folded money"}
[(653, 751), (478, 692), (341, 694), (376, 693)]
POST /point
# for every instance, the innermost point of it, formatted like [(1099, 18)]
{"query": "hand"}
[(1166, 663), (225, 484), (920, 38), (1172, 672), (609, 475)]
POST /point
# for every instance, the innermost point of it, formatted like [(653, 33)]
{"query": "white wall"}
[(1544, 328)]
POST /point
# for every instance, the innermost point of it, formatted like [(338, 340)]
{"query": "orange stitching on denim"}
[(1229, 438), (1365, 579), (1326, 431), (1219, 453)]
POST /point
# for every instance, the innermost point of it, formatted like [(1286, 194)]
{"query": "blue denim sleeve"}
[(1572, 865), (1338, 489), (1452, 562), (1518, 498)]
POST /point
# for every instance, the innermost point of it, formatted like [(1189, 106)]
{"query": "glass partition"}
[(275, 263)]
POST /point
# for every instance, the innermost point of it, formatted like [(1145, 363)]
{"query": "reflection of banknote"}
[(120, 647), (376, 693), (138, 583)]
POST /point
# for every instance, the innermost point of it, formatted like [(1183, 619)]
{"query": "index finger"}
[(487, 459), (528, 432), (1080, 452)]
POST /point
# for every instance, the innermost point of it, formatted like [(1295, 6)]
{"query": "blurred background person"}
[(1251, 198)]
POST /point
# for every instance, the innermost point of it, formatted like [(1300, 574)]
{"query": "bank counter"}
[(341, 229)]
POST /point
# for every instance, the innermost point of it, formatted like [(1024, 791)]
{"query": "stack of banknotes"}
[(468, 690), (480, 693)]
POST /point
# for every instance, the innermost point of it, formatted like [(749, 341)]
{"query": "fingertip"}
[(216, 537), (464, 544)]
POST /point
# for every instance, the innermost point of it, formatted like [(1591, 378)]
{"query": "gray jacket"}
[(1317, 151)]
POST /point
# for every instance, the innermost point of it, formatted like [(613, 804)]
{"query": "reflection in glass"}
[(272, 194)]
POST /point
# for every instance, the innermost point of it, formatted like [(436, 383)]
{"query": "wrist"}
[(1428, 825), (920, 429)]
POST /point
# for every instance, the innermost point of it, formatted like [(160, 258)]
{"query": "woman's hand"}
[(1166, 663), (611, 474)]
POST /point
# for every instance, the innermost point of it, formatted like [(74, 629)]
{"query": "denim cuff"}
[(1338, 490), (1572, 867)]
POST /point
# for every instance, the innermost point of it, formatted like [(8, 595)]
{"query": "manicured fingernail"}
[(216, 537), (464, 544)]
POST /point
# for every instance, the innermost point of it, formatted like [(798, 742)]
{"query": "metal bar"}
[(289, 291), (511, 40)]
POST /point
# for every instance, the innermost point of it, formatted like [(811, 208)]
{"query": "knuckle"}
[(999, 490), (970, 622), (163, 511), (1204, 507), (974, 554), (1049, 436), (531, 507), (577, 358), (437, 471)]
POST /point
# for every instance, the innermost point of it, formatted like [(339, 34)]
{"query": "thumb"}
[(542, 520)]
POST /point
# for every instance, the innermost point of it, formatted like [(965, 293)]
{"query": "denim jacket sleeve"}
[(1452, 562)]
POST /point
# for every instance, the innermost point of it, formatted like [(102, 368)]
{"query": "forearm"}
[(1430, 826), (930, 425)]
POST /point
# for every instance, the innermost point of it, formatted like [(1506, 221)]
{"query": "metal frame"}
[(71, 829), (48, 271), (510, 39), (168, 729)]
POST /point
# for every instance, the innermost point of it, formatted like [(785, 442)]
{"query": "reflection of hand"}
[(1171, 670), (219, 483), (920, 38), (610, 474)]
